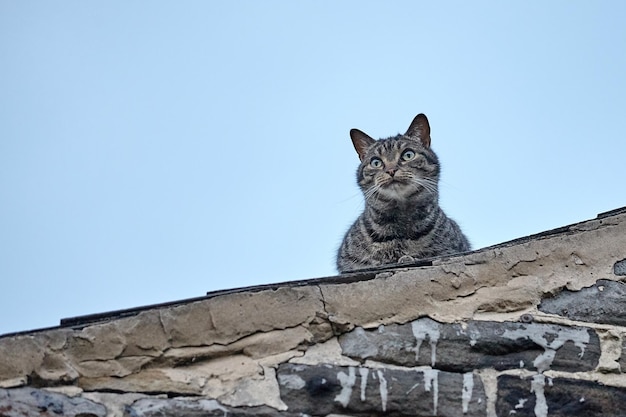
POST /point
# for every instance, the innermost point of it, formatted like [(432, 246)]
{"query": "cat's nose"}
[(391, 171)]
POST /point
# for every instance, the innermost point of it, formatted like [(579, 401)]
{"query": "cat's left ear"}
[(420, 129), (361, 142)]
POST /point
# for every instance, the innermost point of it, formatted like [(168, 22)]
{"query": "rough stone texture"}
[(20, 356), (603, 302), (622, 356), (476, 345), (145, 335), (192, 407), (541, 396), (328, 389), (477, 331), (611, 342), (227, 318), (25, 402), (258, 345)]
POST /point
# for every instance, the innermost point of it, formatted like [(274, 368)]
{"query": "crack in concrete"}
[(337, 327), (163, 329), (323, 300)]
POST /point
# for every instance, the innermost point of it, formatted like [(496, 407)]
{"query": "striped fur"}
[(402, 220)]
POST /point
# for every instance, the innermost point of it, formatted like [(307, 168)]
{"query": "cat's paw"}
[(406, 259)]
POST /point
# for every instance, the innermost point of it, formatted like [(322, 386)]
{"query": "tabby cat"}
[(402, 220)]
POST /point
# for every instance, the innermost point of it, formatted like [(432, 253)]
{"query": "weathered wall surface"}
[(530, 329)]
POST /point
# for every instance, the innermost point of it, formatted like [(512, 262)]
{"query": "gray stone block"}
[(603, 302), (540, 396), (325, 389), (197, 407), (457, 348), (31, 402)]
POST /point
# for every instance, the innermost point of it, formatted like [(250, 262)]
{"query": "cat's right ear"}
[(420, 130), (361, 142)]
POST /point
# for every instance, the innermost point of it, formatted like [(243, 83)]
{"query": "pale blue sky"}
[(152, 151)]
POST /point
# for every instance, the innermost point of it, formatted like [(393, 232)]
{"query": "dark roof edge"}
[(610, 213)]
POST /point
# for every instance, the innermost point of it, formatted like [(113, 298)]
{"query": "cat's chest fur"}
[(402, 218)]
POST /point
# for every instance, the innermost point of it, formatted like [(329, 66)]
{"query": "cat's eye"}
[(376, 163), (408, 155)]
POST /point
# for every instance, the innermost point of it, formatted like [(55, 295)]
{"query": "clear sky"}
[(152, 151)]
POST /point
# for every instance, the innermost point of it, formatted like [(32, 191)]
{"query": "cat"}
[(402, 220)]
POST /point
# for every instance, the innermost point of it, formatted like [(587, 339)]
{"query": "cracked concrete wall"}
[(533, 328)]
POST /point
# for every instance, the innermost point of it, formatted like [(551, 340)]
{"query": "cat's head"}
[(399, 168)]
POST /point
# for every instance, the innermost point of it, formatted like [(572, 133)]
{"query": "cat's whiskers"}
[(426, 183), (373, 190)]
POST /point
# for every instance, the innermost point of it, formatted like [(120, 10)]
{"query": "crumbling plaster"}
[(227, 349)]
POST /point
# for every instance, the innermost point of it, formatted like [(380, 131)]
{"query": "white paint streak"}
[(474, 336), (537, 385), (543, 361), (383, 389), (347, 383), (212, 405), (431, 381), (364, 372), (466, 393), (412, 388), (537, 333), (422, 328), (520, 403)]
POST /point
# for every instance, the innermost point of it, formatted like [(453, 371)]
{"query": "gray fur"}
[(402, 220)]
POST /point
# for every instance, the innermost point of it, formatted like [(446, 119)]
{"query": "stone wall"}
[(531, 328)]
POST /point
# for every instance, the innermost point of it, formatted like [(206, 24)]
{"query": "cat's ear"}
[(361, 142), (420, 129)]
